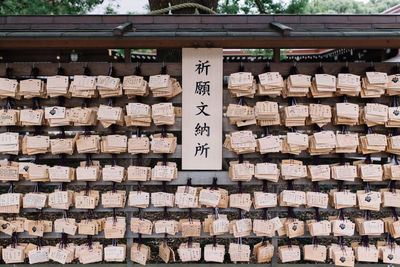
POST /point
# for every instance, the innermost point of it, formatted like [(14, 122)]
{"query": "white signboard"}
[(202, 98)]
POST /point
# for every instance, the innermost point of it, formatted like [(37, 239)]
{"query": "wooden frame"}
[(199, 178), (74, 32)]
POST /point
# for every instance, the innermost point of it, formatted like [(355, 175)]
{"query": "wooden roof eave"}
[(173, 31)]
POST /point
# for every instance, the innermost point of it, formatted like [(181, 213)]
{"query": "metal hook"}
[(293, 101), (163, 69), (59, 64), (11, 188), (289, 242), (110, 102), (34, 71), (138, 71), (267, 69), (111, 70)]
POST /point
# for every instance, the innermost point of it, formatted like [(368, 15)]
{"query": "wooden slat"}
[(200, 264), (178, 154), (204, 178), (174, 69), (261, 41), (129, 234)]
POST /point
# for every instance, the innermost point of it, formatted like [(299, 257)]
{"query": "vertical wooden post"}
[(277, 55)]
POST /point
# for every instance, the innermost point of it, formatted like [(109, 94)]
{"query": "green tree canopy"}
[(47, 7), (304, 6), (349, 6), (334, 7), (60, 7), (262, 7), (378, 6)]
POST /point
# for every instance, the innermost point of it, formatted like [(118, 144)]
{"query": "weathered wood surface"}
[(199, 178)]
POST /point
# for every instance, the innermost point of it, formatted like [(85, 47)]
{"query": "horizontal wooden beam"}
[(179, 42), (129, 234), (175, 69), (204, 178), (174, 31), (197, 264)]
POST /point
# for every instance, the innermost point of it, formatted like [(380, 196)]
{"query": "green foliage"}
[(334, 7), (349, 6), (47, 7), (228, 7), (268, 53), (60, 7), (304, 6), (110, 11), (262, 7), (296, 7), (378, 6)]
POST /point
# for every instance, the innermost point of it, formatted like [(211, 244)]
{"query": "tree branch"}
[(260, 6)]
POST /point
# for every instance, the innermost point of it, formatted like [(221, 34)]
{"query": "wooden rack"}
[(199, 178)]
